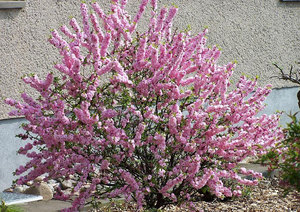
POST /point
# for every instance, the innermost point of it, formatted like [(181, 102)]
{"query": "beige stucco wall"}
[(253, 32)]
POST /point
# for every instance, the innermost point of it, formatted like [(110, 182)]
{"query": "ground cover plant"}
[(164, 129), (285, 156)]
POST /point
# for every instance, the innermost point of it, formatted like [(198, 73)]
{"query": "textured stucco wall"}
[(253, 32)]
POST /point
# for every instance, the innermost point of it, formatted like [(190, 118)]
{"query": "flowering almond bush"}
[(162, 130)]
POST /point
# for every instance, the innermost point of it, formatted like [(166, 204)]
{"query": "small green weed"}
[(10, 208)]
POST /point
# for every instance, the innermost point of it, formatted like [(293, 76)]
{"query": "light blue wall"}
[(9, 160), (284, 99)]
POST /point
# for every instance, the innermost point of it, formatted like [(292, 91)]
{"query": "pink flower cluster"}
[(165, 112)]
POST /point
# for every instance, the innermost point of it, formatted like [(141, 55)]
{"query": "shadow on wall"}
[(9, 14), (288, 4)]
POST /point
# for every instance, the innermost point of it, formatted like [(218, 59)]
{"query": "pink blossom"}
[(139, 13), (104, 165), (109, 113), (74, 25), (160, 19), (105, 44)]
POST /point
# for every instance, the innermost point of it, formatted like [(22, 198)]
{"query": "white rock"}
[(52, 188), (254, 205), (67, 184), (9, 190), (72, 177), (29, 183), (43, 189), (52, 181), (18, 189), (39, 179)]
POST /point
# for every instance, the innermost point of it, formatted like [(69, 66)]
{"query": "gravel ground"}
[(266, 197)]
